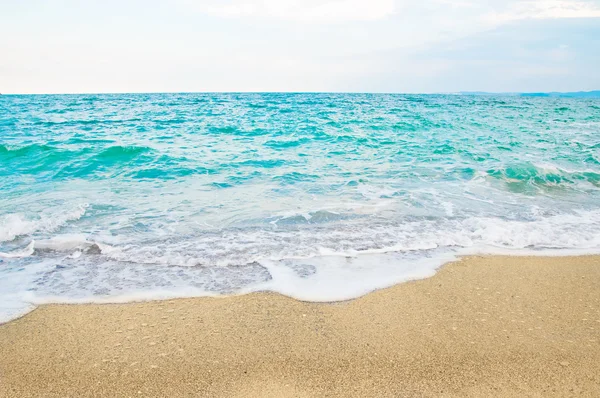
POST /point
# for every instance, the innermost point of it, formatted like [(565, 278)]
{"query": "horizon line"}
[(480, 92)]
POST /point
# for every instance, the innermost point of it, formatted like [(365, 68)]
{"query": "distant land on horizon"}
[(555, 94)]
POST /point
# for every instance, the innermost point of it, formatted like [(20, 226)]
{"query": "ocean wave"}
[(119, 152), (65, 161), (20, 253), (82, 122), (544, 174), (308, 264), (71, 242), (75, 244), (332, 265), (160, 173), (233, 130), (109, 151), (18, 224), (308, 235), (9, 152), (259, 163), (294, 177), (287, 143)]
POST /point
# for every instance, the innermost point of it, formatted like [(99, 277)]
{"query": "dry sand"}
[(484, 326)]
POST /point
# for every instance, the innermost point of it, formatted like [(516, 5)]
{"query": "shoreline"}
[(148, 297), (481, 326)]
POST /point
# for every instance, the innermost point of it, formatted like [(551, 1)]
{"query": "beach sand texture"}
[(483, 326)]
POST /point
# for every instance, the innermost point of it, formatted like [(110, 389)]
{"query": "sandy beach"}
[(482, 326)]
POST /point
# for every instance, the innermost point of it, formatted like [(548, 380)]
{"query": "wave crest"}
[(543, 174), (17, 224)]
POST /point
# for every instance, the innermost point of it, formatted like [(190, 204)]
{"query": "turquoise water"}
[(317, 196)]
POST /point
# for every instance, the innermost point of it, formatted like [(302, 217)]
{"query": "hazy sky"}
[(58, 46)]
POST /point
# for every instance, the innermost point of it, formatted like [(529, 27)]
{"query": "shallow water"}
[(318, 196)]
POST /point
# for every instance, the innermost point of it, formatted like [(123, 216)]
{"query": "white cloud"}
[(317, 11), (547, 9), (562, 9), (332, 11)]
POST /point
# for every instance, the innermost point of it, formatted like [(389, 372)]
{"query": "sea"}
[(320, 197)]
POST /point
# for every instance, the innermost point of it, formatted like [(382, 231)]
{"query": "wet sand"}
[(483, 326)]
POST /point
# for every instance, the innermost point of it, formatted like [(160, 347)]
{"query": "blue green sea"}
[(321, 197)]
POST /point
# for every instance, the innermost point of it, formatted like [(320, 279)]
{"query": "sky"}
[(422, 46)]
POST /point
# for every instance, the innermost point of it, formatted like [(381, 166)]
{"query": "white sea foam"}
[(552, 168), (20, 253), (17, 224), (14, 307), (76, 243), (337, 278), (70, 242), (312, 265)]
